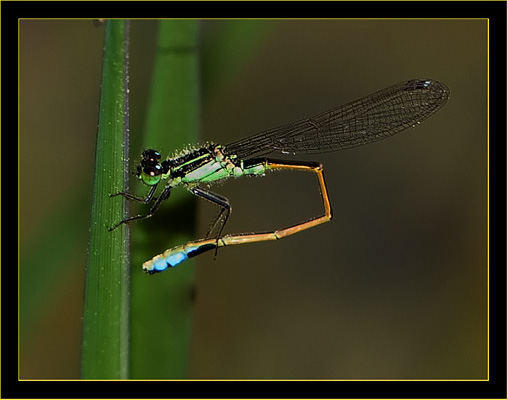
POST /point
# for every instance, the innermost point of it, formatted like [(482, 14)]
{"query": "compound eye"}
[(153, 170), (151, 175), (151, 156)]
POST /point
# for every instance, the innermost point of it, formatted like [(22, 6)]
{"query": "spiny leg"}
[(219, 200), (130, 196), (158, 201)]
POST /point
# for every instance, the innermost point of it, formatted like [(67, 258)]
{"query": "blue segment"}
[(160, 265), (175, 259)]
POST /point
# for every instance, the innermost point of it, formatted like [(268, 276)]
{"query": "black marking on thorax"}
[(182, 165)]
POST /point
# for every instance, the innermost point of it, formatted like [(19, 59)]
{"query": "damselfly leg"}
[(149, 198), (222, 202)]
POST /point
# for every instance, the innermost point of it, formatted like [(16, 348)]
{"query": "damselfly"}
[(372, 118)]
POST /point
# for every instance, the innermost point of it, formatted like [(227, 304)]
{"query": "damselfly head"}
[(150, 169)]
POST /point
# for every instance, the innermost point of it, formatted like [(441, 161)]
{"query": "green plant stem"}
[(105, 325)]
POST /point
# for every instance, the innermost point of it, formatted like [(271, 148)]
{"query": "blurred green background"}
[(394, 287)]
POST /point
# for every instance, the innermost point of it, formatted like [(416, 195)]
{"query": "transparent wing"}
[(372, 118)]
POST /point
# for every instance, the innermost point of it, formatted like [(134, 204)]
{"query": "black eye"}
[(151, 156), (152, 170)]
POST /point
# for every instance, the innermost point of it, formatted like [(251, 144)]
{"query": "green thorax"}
[(207, 164)]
